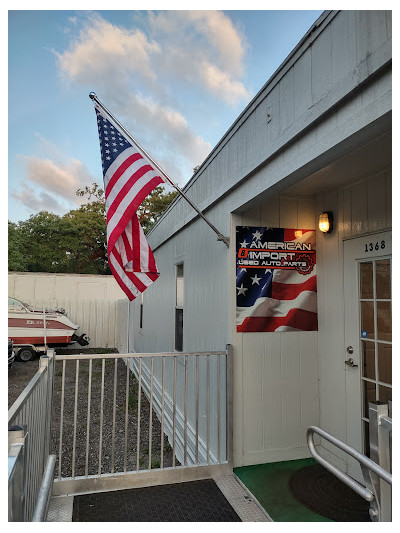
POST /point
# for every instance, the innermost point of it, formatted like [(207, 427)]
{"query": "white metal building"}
[(317, 137)]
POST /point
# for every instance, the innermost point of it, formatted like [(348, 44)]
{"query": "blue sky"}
[(175, 79)]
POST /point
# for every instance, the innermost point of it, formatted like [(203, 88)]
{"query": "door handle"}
[(350, 362)]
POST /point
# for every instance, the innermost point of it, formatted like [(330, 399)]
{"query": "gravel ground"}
[(19, 376), (21, 373)]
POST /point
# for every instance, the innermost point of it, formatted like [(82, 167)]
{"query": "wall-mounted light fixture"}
[(325, 223)]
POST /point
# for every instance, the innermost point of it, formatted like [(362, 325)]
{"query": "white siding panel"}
[(286, 101), (321, 65), (359, 208), (376, 197), (371, 31), (347, 221), (253, 218), (389, 23), (288, 212), (388, 183), (309, 382), (251, 150), (379, 35), (271, 402), (262, 128), (290, 378), (270, 213), (302, 84), (343, 45), (273, 106), (306, 213), (253, 355)]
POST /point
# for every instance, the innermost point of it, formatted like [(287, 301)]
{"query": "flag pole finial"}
[(92, 95)]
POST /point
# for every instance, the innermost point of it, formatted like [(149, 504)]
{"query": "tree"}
[(85, 235), (153, 206), (77, 241), (150, 210), (39, 240), (16, 258)]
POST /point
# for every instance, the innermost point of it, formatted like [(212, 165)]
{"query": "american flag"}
[(128, 179), (281, 297)]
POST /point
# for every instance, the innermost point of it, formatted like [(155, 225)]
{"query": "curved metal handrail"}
[(44, 495), (361, 458)]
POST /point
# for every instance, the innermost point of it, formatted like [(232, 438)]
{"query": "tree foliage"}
[(77, 241), (153, 206)]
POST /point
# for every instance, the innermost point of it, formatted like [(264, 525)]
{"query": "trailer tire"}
[(25, 354)]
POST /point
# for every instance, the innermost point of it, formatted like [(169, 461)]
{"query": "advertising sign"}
[(276, 280)]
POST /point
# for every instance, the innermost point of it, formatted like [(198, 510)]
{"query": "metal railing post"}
[(229, 403), (17, 478), (44, 495), (47, 361), (379, 438)]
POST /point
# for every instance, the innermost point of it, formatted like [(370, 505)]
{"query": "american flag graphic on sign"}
[(276, 280), (128, 179)]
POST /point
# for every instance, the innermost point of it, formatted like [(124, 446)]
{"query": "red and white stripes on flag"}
[(276, 280), (128, 179), (291, 307)]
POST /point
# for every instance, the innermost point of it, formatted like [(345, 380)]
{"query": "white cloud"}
[(220, 40), (51, 185), (102, 49), (59, 179), (38, 200), (139, 73), (221, 84), (190, 39)]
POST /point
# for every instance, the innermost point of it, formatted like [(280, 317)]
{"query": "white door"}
[(368, 333)]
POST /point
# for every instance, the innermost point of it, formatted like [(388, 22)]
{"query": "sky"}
[(176, 80)]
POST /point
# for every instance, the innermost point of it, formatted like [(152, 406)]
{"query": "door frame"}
[(355, 250)]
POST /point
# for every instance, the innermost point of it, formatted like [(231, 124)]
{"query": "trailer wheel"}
[(25, 354)]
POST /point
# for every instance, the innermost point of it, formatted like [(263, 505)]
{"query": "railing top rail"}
[(14, 453), (134, 355), (25, 394), (361, 458), (386, 422)]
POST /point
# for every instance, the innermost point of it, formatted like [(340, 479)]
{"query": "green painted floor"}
[(269, 483)]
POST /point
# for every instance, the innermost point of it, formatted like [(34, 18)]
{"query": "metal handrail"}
[(29, 415), (362, 459), (86, 357), (45, 491), (20, 402)]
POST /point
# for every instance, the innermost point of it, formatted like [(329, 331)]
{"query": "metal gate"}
[(129, 420)]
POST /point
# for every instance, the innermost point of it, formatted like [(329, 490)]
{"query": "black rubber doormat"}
[(322, 492), (194, 501)]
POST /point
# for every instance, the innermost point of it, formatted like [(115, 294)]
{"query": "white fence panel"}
[(102, 314)]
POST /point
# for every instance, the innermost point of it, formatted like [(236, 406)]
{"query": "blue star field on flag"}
[(112, 142)]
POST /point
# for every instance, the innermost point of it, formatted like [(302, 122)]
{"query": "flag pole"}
[(220, 237)]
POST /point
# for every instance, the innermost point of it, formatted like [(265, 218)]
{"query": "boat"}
[(28, 325)]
